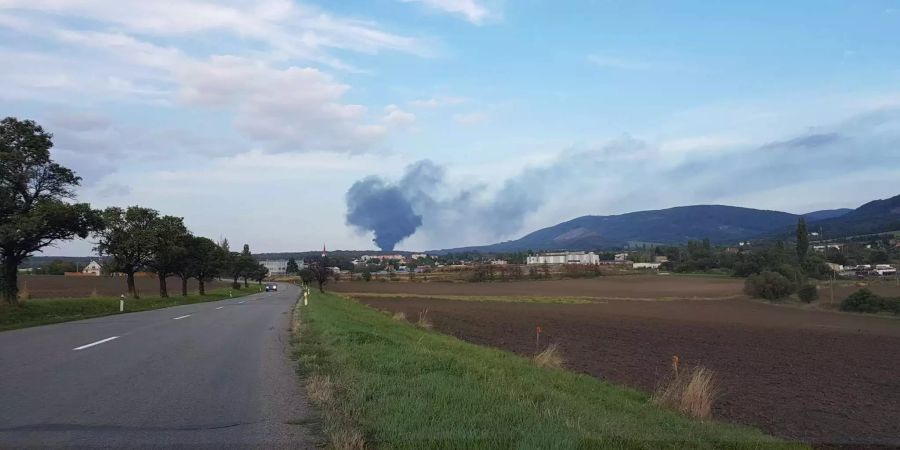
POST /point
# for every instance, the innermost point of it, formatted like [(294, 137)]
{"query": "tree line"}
[(38, 209)]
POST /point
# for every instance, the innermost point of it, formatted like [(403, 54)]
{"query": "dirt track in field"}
[(815, 376), (59, 286)]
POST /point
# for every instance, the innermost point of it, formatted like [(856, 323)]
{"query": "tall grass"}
[(24, 294), (691, 393), (424, 321), (400, 386), (549, 357)]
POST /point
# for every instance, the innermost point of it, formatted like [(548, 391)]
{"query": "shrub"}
[(793, 274), (808, 293), (891, 305), (863, 300), (367, 276), (769, 285), (745, 268)]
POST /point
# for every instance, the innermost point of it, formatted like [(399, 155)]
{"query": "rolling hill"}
[(718, 223), (877, 216), (826, 214)]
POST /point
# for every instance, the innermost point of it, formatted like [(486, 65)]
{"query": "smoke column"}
[(373, 205)]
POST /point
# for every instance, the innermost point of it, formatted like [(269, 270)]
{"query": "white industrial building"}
[(275, 266), (564, 258)]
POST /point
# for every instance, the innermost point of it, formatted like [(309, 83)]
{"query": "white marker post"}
[(122, 303), (305, 297)]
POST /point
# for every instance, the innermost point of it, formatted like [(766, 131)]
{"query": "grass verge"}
[(46, 311), (389, 384)]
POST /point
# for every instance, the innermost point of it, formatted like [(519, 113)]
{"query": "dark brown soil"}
[(632, 286), (59, 286), (815, 376)]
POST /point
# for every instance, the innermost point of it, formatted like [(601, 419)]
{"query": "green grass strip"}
[(46, 311), (404, 387)]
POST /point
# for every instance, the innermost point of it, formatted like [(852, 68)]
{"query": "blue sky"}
[(253, 119)]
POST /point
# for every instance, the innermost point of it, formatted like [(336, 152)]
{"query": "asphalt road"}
[(212, 375)]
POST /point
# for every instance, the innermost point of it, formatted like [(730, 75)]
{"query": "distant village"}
[(870, 256)]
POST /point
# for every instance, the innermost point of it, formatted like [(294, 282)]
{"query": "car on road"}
[(271, 287)]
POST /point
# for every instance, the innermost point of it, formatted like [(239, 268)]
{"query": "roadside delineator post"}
[(537, 342), (305, 297), (122, 303)]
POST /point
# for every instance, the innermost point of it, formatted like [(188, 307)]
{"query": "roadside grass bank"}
[(385, 383), (47, 311)]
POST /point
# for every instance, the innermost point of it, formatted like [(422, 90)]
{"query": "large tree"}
[(34, 211), (240, 265), (260, 272), (320, 272), (246, 264), (169, 249), (205, 261), (129, 238), (292, 267)]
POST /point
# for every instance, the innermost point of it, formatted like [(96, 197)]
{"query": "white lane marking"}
[(95, 343), (241, 302), (220, 307), (181, 317)]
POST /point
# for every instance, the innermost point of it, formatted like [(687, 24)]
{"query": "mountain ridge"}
[(721, 224)]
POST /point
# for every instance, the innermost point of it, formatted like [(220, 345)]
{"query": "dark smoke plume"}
[(374, 205), (395, 210)]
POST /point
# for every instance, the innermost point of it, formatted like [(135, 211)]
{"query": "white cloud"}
[(472, 10), (286, 27), (394, 116), (436, 102), (295, 108), (472, 118), (284, 107), (609, 62)]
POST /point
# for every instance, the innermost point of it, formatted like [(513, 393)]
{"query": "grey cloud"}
[(114, 190), (95, 146), (80, 121), (807, 142)]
